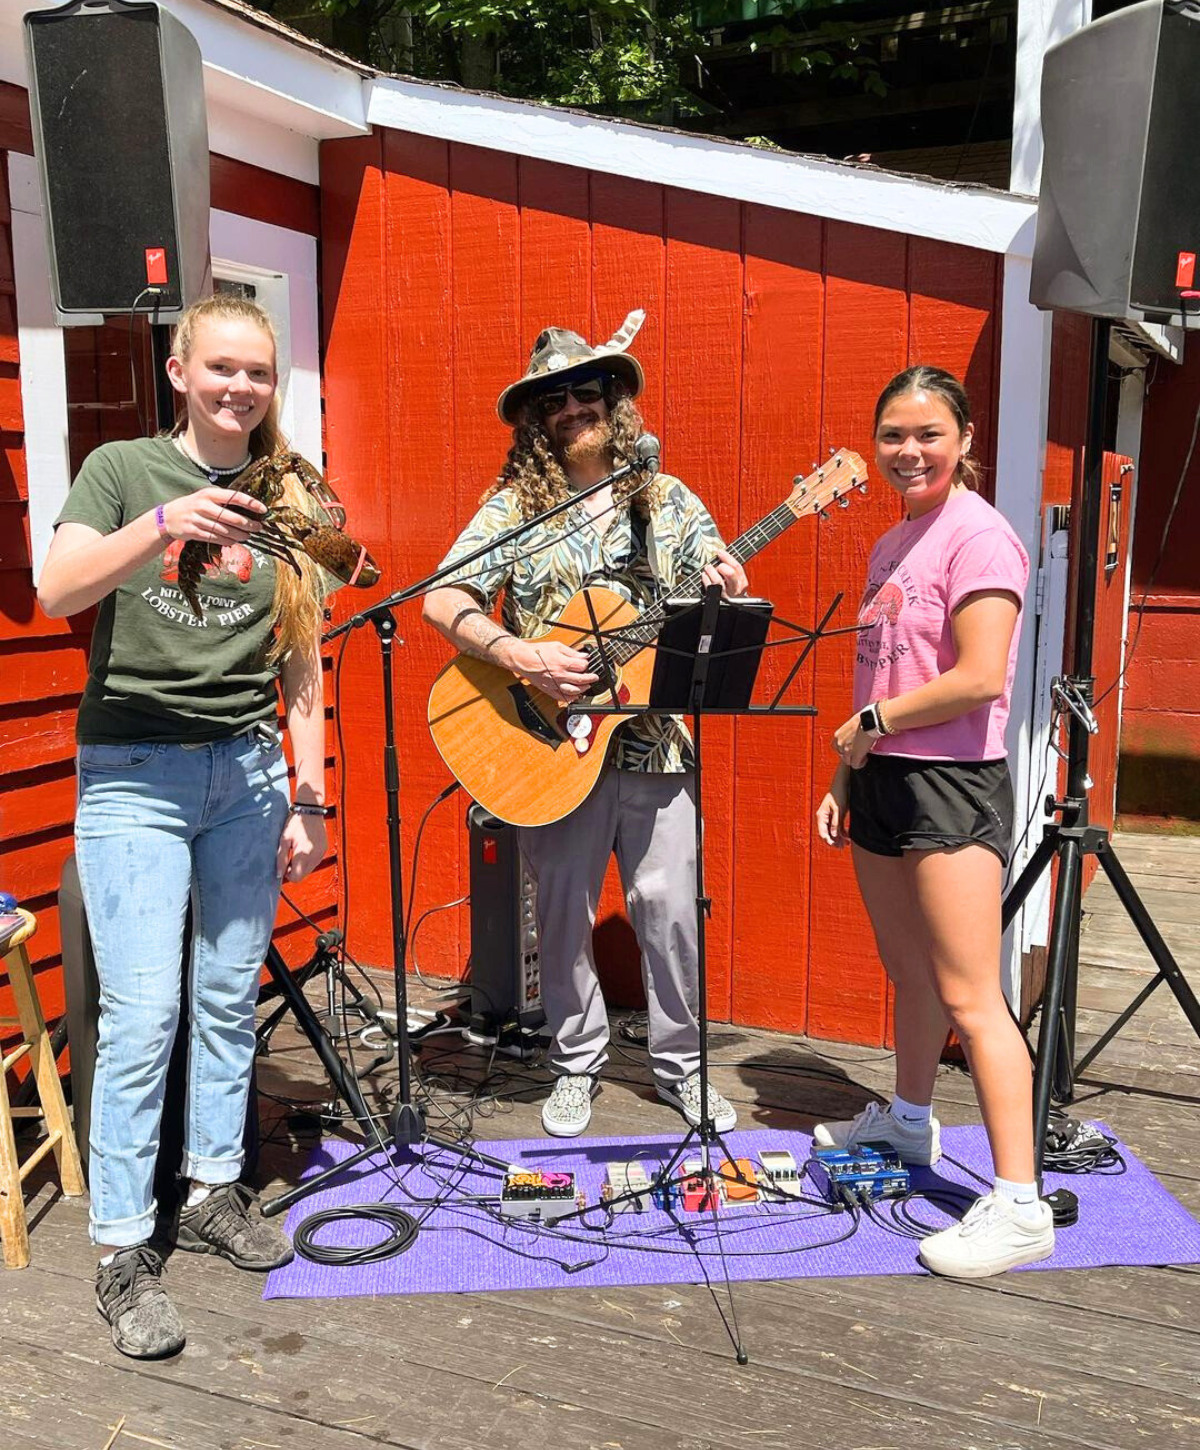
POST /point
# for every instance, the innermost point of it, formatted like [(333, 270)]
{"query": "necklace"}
[(208, 469)]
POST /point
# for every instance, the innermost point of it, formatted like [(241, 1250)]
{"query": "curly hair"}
[(538, 479)]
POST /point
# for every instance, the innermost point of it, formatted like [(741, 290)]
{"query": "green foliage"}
[(623, 57)]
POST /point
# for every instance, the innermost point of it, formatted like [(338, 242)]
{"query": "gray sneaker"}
[(568, 1110), (223, 1225), (130, 1296), (685, 1096), (920, 1144)]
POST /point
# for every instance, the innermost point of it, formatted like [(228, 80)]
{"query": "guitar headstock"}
[(837, 479)]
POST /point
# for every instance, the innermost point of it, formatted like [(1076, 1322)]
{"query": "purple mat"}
[(1125, 1219)]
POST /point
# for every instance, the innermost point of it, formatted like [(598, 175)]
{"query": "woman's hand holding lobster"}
[(206, 515)]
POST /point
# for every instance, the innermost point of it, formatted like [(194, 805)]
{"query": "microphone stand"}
[(406, 1122)]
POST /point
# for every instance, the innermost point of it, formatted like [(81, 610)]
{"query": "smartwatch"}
[(869, 722)]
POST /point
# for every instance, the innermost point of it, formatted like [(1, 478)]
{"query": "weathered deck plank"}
[(1100, 1359)]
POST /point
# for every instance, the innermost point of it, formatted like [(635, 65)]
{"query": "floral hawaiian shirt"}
[(539, 572)]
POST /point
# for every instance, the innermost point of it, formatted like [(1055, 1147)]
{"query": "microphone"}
[(646, 453)]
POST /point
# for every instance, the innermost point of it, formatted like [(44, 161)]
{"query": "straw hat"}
[(558, 351)]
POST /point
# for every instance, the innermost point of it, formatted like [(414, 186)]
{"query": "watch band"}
[(309, 808), (868, 721)]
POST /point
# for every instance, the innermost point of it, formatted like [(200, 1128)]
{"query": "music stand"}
[(707, 657)]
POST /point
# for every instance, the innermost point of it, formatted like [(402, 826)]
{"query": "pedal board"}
[(861, 1175)]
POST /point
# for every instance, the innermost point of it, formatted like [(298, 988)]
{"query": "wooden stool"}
[(60, 1140)]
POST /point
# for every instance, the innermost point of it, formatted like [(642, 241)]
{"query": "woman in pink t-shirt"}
[(923, 795)]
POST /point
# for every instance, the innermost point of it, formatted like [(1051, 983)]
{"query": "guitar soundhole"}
[(532, 718)]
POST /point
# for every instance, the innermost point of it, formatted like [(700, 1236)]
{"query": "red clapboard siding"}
[(418, 240), (866, 343), (781, 437), (266, 196), (358, 451), (768, 336), (702, 420), (16, 133)]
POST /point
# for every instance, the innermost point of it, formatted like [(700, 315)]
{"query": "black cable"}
[(401, 1228), (137, 397)]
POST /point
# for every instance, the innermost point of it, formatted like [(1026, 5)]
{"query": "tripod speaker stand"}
[(1071, 838)]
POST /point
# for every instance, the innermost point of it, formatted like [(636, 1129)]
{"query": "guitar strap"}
[(643, 543)]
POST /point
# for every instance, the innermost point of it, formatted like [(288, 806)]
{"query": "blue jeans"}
[(157, 825)]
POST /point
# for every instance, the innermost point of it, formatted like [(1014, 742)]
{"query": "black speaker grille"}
[(1169, 222), (107, 159)]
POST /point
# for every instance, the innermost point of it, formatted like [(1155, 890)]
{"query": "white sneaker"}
[(685, 1096), (568, 1110), (920, 1144), (991, 1237)]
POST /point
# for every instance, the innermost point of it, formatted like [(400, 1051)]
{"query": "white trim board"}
[(282, 264), (246, 67), (43, 361), (990, 220), (1021, 419)]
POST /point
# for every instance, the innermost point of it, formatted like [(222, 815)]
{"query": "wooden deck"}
[(1103, 1358)]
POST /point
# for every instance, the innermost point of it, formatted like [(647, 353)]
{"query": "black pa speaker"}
[(121, 136), (1118, 227)]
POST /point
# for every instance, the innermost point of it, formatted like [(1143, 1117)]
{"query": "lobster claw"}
[(343, 557)]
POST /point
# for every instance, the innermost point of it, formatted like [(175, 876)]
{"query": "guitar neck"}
[(644, 630)]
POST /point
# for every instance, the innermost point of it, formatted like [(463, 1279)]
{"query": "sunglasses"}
[(586, 389)]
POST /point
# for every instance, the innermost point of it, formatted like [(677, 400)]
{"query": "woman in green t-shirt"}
[(183, 796)]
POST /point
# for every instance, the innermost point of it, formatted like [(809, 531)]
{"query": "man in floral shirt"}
[(574, 422)]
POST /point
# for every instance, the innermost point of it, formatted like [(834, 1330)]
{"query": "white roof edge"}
[(250, 65), (993, 221)]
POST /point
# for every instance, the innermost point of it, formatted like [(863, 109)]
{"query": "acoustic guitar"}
[(516, 750)]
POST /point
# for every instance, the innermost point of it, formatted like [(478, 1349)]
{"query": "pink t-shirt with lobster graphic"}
[(918, 574)]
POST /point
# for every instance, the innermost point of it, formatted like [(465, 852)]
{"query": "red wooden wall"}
[(1160, 740), (768, 336), (43, 662)]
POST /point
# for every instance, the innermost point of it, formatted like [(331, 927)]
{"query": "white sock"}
[(198, 1192), (1023, 1197), (912, 1115)]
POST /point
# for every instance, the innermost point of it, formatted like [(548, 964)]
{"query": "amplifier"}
[(505, 979)]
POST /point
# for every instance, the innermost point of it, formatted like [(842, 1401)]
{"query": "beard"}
[(590, 443)]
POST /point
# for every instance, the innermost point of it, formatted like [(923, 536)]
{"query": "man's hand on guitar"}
[(550, 666), (728, 573)]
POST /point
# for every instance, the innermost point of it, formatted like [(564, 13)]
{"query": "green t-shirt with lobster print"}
[(156, 672)]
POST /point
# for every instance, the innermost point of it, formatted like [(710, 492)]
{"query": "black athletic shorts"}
[(898, 804)]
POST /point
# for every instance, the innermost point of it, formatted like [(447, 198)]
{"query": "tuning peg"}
[(843, 502), (832, 451), (799, 478), (862, 488)]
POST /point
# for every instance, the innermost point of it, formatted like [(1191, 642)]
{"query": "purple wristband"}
[(160, 522)]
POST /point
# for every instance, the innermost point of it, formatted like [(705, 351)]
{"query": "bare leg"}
[(958, 895), (902, 939)]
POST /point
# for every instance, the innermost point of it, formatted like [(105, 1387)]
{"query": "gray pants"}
[(647, 818)]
